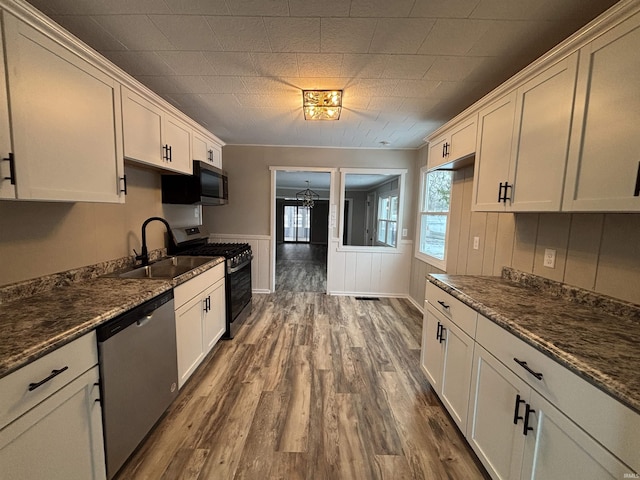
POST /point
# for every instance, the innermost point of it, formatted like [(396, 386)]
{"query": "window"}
[(388, 219), (434, 216)]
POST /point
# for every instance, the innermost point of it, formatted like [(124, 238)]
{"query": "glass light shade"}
[(322, 104)]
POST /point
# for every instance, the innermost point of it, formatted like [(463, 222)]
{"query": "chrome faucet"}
[(144, 253)]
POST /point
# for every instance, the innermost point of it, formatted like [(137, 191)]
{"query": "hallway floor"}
[(301, 267)]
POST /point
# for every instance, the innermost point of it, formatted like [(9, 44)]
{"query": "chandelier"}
[(322, 104), (307, 197)]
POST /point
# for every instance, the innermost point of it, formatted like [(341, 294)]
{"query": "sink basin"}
[(167, 268)]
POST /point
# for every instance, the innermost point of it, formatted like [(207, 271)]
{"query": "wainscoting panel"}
[(370, 273)]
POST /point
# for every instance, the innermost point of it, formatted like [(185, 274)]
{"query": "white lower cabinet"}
[(491, 431), (51, 418), (524, 415), (558, 448), (200, 319), (503, 407), (447, 357)]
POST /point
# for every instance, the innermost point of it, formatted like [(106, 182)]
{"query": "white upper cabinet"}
[(541, 142), (206, 149), (7, 187), (524, 141), (493, 153), (65, 120), (457, 142), (603, 171), (153, 136)]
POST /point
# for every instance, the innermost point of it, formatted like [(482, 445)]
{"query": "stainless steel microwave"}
[(207, 186)]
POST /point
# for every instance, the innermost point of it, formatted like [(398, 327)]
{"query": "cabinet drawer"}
[(16, 399), (611, 423), (186, 291), (452, 308)]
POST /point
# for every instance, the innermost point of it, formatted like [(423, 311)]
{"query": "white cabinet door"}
[(541, 143), (456, 372), (177, 138), (61, 438), (200, 148), (557, 448), (603, 172), (458, 142), (142, 126), (432, 353), (213, 321), (447, 360), (153, 136), (493, 153), (493, 407), (7, 187), (189, 337), (65, 120)]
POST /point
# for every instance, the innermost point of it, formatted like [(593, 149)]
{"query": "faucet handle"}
[(138, 256)]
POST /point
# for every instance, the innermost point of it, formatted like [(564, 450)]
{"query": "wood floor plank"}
[(295, 431), (311, 387)]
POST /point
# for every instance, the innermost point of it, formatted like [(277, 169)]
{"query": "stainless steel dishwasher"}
[(138, 375)]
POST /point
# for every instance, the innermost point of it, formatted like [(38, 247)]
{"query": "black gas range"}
[(195, 241)]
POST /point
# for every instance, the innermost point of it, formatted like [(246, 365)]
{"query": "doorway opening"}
[(301, 232)]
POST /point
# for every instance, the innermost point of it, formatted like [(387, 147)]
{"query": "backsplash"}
[(603, 303), (34, 286)]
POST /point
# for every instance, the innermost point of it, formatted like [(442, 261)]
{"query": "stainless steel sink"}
[(167, 268)]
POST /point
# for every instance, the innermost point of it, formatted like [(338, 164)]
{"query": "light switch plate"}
[(476, 243), (405, 232), (549, 258)]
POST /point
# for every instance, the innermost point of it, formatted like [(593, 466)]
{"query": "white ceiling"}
[(406, 66)]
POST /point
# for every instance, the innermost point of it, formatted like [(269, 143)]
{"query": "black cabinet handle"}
[(54, 373), (442, 337), (170, 155), (209, 304), (12, 169), (444, 305), (502, 192), (210, 153), (439, 331), (524, 365), (636, 192), (527, 411), (124, 184), (167, 152), (516, 411), (444, 150)]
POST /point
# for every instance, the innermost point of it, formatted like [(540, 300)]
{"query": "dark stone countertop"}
[(37, 324), (600, 344)]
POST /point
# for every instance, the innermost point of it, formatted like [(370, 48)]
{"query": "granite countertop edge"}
[(592, 375), (149, 289)]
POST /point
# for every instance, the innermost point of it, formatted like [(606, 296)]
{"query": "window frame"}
[(387, 220), (425, 257)]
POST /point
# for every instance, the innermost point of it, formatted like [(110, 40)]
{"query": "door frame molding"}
[(333, 230)]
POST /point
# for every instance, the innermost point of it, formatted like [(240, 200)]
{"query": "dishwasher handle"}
[(139, 315)]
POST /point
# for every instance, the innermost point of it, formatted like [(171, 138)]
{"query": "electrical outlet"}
[(405, 232), (476, 243), (549, 258)]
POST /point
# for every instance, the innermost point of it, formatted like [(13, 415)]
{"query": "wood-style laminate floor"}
[(312, 387), (301, 267)]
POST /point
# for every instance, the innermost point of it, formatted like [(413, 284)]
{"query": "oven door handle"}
[(239, 267)]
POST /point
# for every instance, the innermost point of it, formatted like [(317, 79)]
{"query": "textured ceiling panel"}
[(406, 66)]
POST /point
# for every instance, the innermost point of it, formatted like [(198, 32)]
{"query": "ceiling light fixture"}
[(322, 104), (307, 197)]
